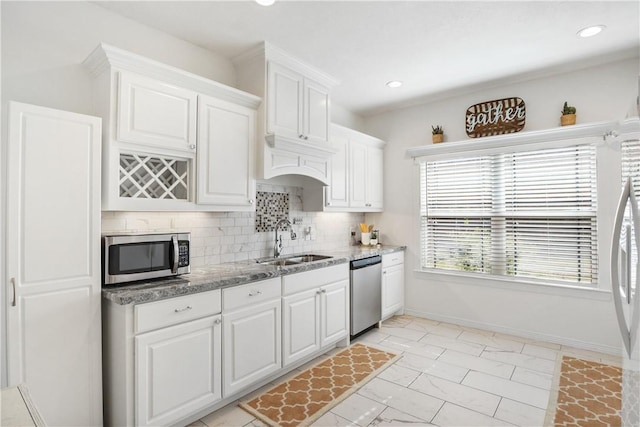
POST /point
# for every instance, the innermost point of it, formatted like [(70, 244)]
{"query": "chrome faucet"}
[(277, 247)]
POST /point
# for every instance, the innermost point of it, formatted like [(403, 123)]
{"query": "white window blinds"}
[(527, 214)]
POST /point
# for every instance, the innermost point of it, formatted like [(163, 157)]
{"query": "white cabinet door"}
[(301, 325), (53, 262), (226, 135), (373, 191), (392, 289), (358, 174), (334, 302), (337, 193), (285, 92), (316, 112), (178, 371), (156, 114), (252, 345)]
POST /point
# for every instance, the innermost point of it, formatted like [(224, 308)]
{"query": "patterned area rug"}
[(302, 399), (587, 394)]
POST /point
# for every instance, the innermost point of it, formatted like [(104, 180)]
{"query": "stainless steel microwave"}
[(132, 257)]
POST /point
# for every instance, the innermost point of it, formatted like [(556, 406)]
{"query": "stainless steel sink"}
[(292, 260)]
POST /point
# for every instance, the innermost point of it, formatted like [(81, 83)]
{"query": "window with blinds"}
[(525, 214), (631, 168)]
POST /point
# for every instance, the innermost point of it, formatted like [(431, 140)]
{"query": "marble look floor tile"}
[(518, 359), (359, 409), (197, 424), (392, 417), (585, 354), (372, 336), (453, 344), (332, 420), (491, 341), (256, 423), (424, 321), (540, 351), (519, 392), (399, 375), (400, 321), (436, 368), (403, 332), (497, 368), (520, 414), (456, 416), (229, 416), (534, 378), (443, 329), (401, 398), (467, 397)]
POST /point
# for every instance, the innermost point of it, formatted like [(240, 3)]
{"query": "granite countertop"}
[(218, 276)]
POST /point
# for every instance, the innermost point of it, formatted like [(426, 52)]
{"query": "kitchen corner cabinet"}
[(315, 311), (356, 183), (159, 152), (392, 284), (252, 334), (53, 262)]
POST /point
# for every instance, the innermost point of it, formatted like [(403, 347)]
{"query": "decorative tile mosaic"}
[(270, 208)]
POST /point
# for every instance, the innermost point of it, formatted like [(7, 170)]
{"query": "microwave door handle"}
[(174, 266)]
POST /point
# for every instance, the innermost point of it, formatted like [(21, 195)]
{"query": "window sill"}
[(514, 284)]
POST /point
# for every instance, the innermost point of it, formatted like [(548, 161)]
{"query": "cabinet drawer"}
[(251, 293), (176, 310), (314, 278), (392, 259)]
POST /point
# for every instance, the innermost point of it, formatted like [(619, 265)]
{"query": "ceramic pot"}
[(437, 138), (568, 119)]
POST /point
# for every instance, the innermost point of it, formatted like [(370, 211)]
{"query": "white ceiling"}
[(434, 47)]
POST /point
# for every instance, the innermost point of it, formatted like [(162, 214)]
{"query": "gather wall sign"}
[(497, 117)]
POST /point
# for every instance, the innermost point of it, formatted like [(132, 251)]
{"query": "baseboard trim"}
[(517, 332)]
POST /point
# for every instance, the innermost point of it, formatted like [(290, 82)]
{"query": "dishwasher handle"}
[(365, 262)]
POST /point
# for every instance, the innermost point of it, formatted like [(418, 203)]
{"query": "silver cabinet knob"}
[(217, 321), (192, 146), (251, 201), (301, 136)]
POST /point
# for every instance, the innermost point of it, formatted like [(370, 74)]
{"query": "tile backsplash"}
[(218, 237)]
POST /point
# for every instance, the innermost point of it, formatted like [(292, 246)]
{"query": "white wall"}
[(586, 319)]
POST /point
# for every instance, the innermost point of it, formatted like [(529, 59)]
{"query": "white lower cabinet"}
[(392, 284), (252, 332), (178, 371), (315, 311)]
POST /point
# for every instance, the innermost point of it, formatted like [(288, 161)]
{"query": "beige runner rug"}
[(304, 398), (585, 393)]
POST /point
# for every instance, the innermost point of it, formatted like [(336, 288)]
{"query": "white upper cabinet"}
[(226, 132), (157, 154), (156, 114), (293, 136), (297, 105), (356, 182)]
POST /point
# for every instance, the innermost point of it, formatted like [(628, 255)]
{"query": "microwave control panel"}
[(183, 253)]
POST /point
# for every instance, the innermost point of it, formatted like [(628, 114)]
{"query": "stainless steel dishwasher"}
[(366, 293)]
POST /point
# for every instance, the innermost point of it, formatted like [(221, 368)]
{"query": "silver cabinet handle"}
[(180, 310), (13, 285), (254, 293)]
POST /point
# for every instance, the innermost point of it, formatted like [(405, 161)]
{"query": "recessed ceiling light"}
[(591, 31), (394, 83), (265, 2)]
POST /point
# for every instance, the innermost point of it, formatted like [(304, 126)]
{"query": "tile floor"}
[(449, 375)]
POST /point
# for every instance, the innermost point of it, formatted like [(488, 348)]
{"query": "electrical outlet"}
[(297, 220)]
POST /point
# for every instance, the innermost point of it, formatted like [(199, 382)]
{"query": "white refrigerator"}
[(625, 271)]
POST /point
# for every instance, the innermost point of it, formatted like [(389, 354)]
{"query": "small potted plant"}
[(437, 134), (568, 115)]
